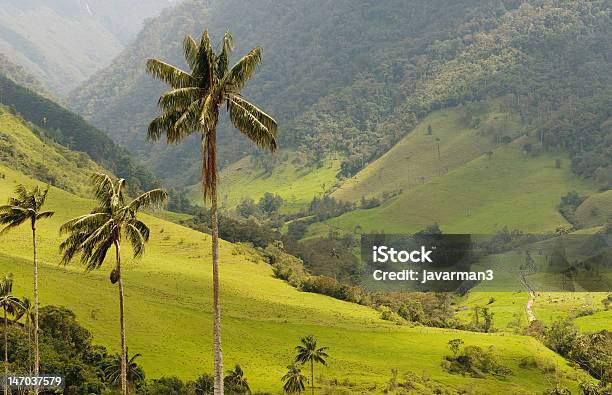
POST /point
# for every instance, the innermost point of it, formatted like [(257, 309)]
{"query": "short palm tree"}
[(27, 311), (112, 370), (308, 352), (93, 235), (27, 206), (10, 305), (294, 380), (192, 104), (235, 381)]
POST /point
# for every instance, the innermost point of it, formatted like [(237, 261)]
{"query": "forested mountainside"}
[(62, 42), (54, 122), (354, 77)]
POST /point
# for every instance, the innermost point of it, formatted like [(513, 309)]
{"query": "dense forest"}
[(398, 61)]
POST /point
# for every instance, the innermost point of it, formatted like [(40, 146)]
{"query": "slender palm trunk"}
[(124, 389), (36, 350), (5, 351), (218, 354), (312, 375)]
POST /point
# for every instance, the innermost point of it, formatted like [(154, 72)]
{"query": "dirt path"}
[(532, 295)]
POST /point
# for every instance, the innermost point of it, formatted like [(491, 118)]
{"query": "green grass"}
[(414, 160), (21, 149), (595, 210), (296, 183), (169, 313), (510, 190)]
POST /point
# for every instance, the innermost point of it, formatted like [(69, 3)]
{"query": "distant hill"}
[(474, 186), (72, 131), (354, 77), (62, 42)]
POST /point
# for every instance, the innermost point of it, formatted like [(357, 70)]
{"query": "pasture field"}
[(169, 313)]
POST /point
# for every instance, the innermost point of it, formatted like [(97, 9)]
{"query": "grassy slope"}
[(509, 189), (169, 314), (21, 149), (296, 184), (595, 210), (414, 159)]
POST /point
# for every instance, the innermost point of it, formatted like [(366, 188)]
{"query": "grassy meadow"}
[(509, 189), (169, 313), (295, 182)]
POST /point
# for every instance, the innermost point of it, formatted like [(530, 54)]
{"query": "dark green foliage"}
[(235, 382), (269, 204), (569, 204), (73, 132), (400, 60), (475, 361), (66, 348), (166, 386), (232, 229)]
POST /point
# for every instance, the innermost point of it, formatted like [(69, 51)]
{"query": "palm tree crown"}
[(24, 207), (308, 351), (93, 234), (235, 381), (294, 380), (192, 103)]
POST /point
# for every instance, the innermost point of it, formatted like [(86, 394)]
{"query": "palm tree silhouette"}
[(10, 305), (308, 352), (25, 207), (192, 105), (92, 235), (235, 382), (294, 380)]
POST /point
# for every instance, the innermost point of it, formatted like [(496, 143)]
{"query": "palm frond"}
[(226, 51), (136, 240), (190, 49), (171, 75), (45, 214), (253, 124), (177, 99), (103, 188), (206, 62), (241, 72), (147, 199), (166, 124)]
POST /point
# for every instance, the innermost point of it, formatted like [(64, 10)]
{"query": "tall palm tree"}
[(308, 352), (294, 380), (192, 104), (235, 381), (10, 305), (27, 206), (92, 235)]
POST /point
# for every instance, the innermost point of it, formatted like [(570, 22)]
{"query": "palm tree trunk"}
[(218, 354), (312, 375), (5, 352), (36, 350), (124, 389)]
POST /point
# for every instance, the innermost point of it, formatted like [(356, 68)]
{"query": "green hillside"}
[(294, 180), (357, 87), (507, 188), (169, 313), (72, 131), (415, 160), (37, 156), (595, 210)]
